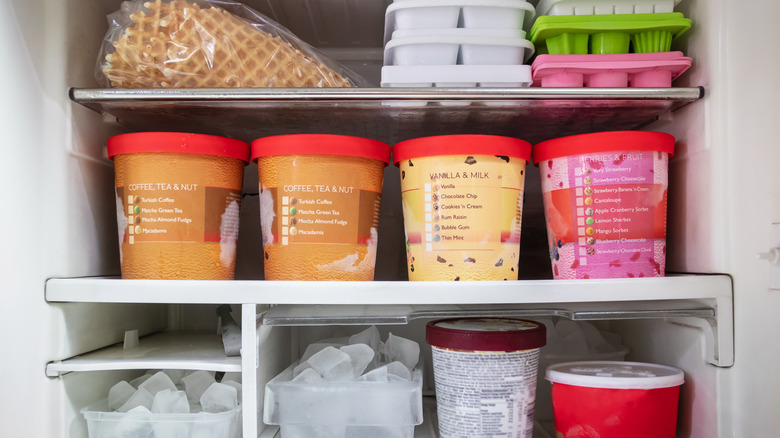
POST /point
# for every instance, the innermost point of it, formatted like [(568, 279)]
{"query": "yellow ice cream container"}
[(462, 198)]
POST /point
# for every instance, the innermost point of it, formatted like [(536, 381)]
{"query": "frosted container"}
[(319, 205), (605, 203), (352, 409), (462, 198), (102, 423), (485, 375), (615, 399), (178, 197)]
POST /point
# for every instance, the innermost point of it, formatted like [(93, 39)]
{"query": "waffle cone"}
[(178, 44)]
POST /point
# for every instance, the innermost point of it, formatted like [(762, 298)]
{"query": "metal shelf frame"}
[(387, 114)]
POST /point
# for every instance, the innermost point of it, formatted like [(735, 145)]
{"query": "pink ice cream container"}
[(605, 203)]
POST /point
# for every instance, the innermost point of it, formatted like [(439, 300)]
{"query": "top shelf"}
[(387, 114)]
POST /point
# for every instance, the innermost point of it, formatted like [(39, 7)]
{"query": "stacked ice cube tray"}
[(607, 43), (169, 403), (457, 43), (355, 387)]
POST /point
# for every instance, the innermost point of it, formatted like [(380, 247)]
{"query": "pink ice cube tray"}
[(640, 70)]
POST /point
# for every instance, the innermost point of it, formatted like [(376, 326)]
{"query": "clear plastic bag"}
[(208, 44)]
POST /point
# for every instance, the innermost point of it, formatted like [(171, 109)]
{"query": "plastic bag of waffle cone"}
[(215, 44)]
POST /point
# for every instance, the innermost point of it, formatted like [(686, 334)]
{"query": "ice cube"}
[(360, 355), (315, 348), (301, 368), (158, 382), (332, 364), (593, 337), (375, 375), (308, 376), (141, 397), (231, 376), (119, 394), (236, 385), (403, 350), (196, 384), (175, 375), (572, 339), (398, 369), (369, 336), (170, 402), (219, 397), (135, 424), (139, 380)]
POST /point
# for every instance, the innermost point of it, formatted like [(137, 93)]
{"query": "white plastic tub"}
[(604, 7), (352, 409), (102, 423)]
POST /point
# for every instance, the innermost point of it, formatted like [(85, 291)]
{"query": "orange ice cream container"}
[(319, 205), (178, 197), (462, 198)]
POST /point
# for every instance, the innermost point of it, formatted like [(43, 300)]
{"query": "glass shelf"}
[(316, 315), (166, 350), (387, 114)]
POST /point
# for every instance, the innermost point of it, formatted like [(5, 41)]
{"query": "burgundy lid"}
[(178, 142), (486, 334)]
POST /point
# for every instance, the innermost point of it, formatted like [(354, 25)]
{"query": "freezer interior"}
[(61, 235)]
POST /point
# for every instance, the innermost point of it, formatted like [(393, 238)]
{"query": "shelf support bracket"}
[(718, 332)]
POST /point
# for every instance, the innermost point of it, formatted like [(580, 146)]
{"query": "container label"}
[(485, 394), (462, 216), (310, 210), (176, 212), (606, 214)]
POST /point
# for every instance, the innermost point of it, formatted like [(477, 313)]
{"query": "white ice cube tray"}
[(604, 7), (102, 423), (351, 408), (448, 14), (457, 76), (458, 46), (457, 58)]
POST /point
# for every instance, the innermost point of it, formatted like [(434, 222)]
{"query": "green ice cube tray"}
[(607, 34)]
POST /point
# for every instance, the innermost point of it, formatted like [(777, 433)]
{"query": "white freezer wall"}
[(54, 183), (727, 162), (55, 224)]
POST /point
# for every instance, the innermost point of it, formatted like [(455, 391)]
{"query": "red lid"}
[(486, 334), (604, 142), (178, 142), (320, 144), (461, 145)]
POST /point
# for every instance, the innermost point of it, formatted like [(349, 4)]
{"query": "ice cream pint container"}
[(462, 198), (615, 399), (484, 373), (319, 205), (605, 203), (178, 197)]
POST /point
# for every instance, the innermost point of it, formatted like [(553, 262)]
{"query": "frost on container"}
[(319, 205), (178, 197)]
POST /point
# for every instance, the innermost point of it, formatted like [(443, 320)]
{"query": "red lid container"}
[(604, 142), (486, 334), (178, 142), (615, 399), (320, 144), (467, 144)]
